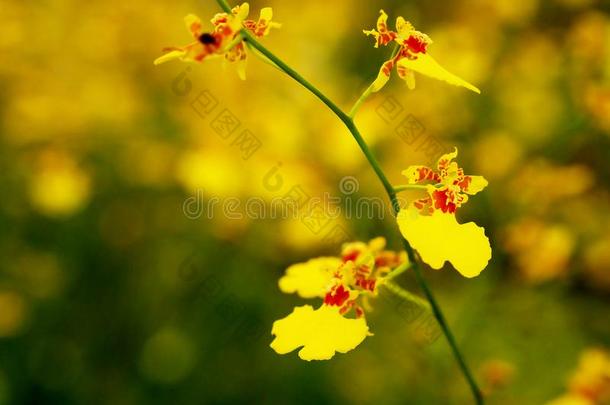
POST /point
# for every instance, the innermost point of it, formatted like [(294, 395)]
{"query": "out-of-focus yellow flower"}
[(590, 382), (13, 314), (497, 154), (496, 374), (412, 55), (559, 183), (597, 103), (59, 187), (223, 40), (341, 282), (542, 251), (597, 263), (210, 170), (430, 226), (570, 399), (592, 377)]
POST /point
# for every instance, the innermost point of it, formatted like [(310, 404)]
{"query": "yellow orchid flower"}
[(430, 226), (412, 55), (222, 41), (451, 188), (341, 282)]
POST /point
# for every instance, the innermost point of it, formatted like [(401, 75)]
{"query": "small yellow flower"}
[(342, 283), (430, 226), (221, 41), (412, 55)]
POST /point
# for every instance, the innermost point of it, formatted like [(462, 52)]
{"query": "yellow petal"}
[(266, 14), (383, 76), (403, 28), (264, 24), (444, 160), (373, 33), (382, 34), (426, 65), (176, 54), (310, 279), (382, 21), (418, 173), (377, 244), (409, 79), (193, 24), (477, 183), (241, 68), (321, 333), (241, 12), (439, 238)]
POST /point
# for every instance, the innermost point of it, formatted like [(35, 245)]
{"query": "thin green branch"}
[(360, 101), (406, 295), (369, 90), (404, 187), (351, 126), (238, 38), (398, 270)]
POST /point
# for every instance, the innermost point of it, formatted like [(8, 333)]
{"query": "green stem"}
[(398, 271), (362, 99), (238, 38), (369, 90), (406, 295), (404, 187), (351, 126)]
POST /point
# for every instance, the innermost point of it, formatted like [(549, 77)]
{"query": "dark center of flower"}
[(207, 38)]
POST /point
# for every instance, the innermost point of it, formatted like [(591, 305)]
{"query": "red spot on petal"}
[(416, 45), (444, 200), (425, 173), (353, 255), (337, 296), (464, 183)]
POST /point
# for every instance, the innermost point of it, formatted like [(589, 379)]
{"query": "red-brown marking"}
[(416, 45), (337, 296)]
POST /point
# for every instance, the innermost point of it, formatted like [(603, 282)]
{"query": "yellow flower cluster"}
[(224, 40), (412, 55), (344, 283), (430, 225)]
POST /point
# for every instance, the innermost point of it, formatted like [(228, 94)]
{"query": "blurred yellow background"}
[(113, 290)]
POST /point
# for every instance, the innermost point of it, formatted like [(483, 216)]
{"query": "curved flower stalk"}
[(295, 330), (412, 55), (225, 39), (345, 285), (430, 226)]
